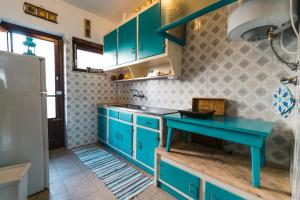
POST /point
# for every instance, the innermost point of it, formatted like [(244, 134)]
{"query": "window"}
[(86, 55)]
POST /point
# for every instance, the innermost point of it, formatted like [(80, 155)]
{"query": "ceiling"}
[(110, 9)]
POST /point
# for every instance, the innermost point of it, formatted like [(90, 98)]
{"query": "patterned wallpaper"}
[(83, 91), (244, 73)]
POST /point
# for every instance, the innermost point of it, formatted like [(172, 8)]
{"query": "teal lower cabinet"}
[(213, 192), (135, 142), (146, 143), (182, 180), (120, 136), (125, 138), (171, 192), (113, 133), (102, 127)]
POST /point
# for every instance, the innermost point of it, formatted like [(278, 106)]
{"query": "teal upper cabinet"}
[(127, 42), (110, 49), (150, 43)]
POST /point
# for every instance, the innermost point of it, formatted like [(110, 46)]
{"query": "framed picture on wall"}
[(30, 9), (87, 28), (40, 12)]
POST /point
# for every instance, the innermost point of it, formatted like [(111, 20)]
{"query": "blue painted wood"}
[(147, 141), (102, 127), (263, 155), (256, 162), (221, 133), (256, 127), (113, 133), (110, 49), (150, 43), (164, 30), (125, 138), (102, 111), (240, 130), (169, 139), (172, 192), (114, 114), (130, 159), (127, 42), (126, 117), (148, 122), (213, 192), (180, 179)]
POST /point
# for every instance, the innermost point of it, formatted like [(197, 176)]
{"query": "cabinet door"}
[(183, 181), (127, 42), (110, 49), (147, 141), (150, 43), (102, 127), (213, 192), (113, 133), (125, 138)]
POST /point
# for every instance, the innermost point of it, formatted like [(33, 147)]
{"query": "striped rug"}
[(122, 180)]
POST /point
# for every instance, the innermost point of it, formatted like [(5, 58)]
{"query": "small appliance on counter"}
[(205, 108)]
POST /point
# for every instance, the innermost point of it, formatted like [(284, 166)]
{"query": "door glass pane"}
[(43, 49), (3, 41)]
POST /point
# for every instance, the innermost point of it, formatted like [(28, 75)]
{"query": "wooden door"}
[(51, 48)]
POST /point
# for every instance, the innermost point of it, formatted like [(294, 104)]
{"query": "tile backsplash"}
[(244, 73), (83, 91)]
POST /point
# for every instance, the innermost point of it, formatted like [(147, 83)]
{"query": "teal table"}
[(240, 130)]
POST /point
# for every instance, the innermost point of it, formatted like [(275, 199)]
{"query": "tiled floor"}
[(71, 180)]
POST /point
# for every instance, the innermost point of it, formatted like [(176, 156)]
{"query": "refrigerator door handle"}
[(43, 93)]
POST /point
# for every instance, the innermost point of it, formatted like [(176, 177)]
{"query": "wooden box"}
[(216, 104)]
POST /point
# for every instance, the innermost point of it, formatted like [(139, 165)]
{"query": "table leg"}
[(169, 139), (263, 155), (186, 136), (255, 154)]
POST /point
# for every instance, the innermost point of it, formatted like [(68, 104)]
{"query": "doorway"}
[(51, 48)]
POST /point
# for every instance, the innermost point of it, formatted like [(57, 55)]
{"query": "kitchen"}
[(199, 58)]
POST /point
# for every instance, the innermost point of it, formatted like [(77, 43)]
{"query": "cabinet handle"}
[(191, 190), (133, 50), (213, 197), (139, 145)]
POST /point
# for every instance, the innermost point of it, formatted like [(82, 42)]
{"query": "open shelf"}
[(145, 78)]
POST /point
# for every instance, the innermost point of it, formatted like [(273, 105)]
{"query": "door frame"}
[(59, 64)]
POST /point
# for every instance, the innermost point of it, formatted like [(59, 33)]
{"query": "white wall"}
[(82, 90), (70, 18)]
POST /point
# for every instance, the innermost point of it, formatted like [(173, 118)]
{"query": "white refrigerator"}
[(23, 117)]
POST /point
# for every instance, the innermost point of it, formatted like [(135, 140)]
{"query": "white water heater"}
[(251, 19)]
